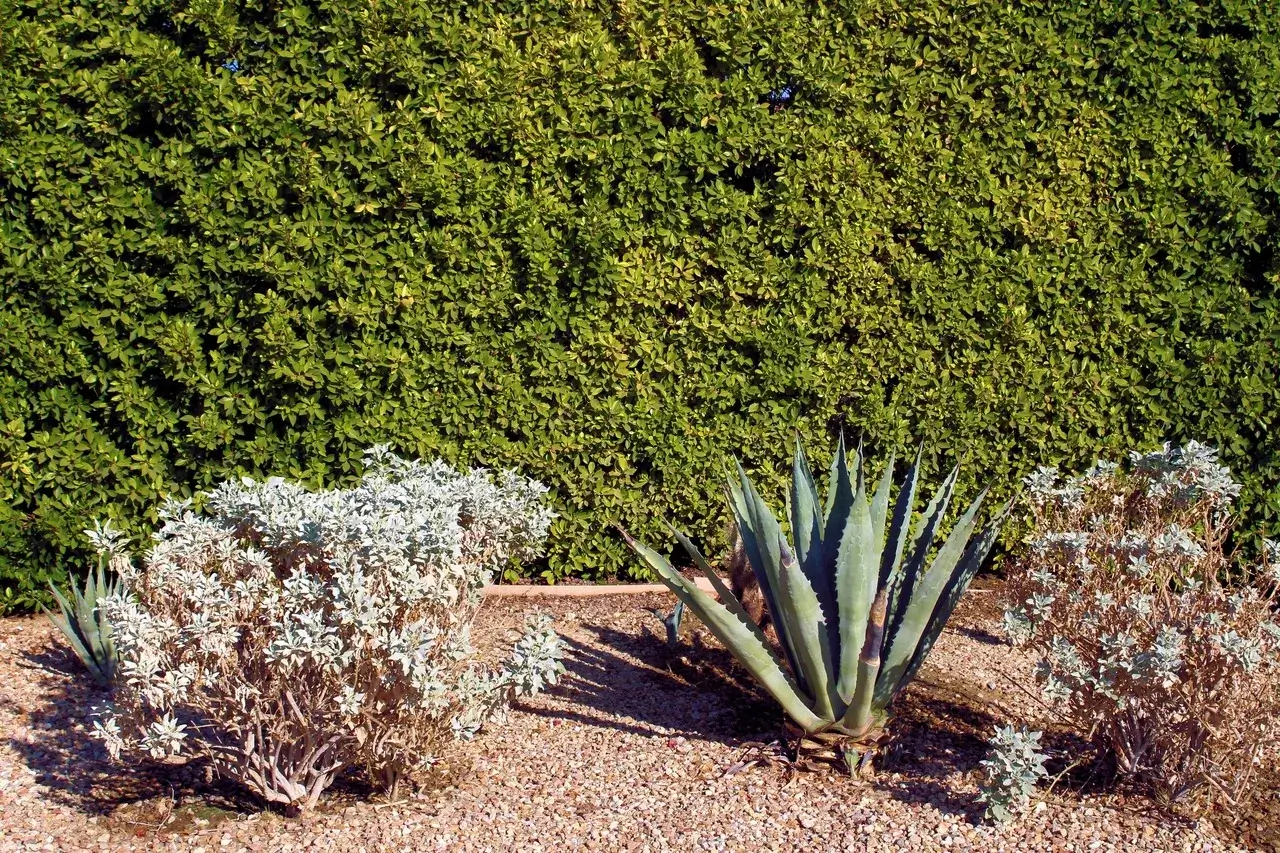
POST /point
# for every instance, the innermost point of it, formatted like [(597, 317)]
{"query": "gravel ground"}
[(638, 749)]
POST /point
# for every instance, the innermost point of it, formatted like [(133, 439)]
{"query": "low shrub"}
[(287, 634), (1149, 644), (1013, 765)]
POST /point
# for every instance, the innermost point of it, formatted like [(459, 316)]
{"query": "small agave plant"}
[(857, 602), (79, 619), (671, 621)]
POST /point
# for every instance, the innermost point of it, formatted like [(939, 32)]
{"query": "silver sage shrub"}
[(287, 634), (1151, 640)]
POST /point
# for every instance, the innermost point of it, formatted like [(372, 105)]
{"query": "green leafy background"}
[(608, 243)]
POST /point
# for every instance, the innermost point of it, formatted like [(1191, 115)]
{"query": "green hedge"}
[(609, 242)]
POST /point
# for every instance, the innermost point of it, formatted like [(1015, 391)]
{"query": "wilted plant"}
[(80, 619), (1013, 766), (855, 599), (1145, 648), (287, 634)]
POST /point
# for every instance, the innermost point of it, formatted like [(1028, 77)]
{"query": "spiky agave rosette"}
[(84, 626), (857, 602)]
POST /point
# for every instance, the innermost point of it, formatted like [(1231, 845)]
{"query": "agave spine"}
[(857, 602)]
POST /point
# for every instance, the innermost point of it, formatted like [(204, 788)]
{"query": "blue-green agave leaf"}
[(86, 630), (919, 604), (739, 636), (855, 584), (860, 713), (975, 554), (808, 628), (839, 498), (761, 537), (727, 597), (926, 527), (807, 532), (880, 508)]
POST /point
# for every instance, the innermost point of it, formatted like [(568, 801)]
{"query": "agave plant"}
[(671, 621), (84, 626), (856, 600)]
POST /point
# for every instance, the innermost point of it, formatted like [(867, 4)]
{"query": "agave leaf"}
[(737, 636), (763, 529), (808, 629), (84, 605), (65, 623), (66, 608), (742, 506), (880, 507), (810, 548), (975, 554), (106, 589), (926, 526), (839, 499), (671, 622), (727, 598), (855, 577), (840, 491), (742, 519), (95, 629), (919, 606), (891, 567), (899, 526), (901, 591), (859, 716), (78, 624), (802, 481)]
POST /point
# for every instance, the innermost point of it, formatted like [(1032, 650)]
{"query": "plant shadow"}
[(633, 682), (636, 683), (938, 734), (74, 769), (980, 635)]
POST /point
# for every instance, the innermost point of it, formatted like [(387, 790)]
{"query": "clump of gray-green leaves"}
[(1013, 766), (858, 595), (1153, 641), (286, 634)]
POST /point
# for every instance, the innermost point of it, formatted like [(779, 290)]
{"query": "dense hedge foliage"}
[(608, 242)]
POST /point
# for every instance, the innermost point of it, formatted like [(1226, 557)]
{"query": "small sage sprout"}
[(1013, 765)]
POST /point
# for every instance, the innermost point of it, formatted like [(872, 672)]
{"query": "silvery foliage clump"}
[(1187, 474), (1010, 771), (1016, 626), (1142, 644), (287, 634), (534, 664)]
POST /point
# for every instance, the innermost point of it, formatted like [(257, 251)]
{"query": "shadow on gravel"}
[(75, 770), (936, 737), (59, 747), (629, 682), (634, 683), (940, 729), (979, 635)]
